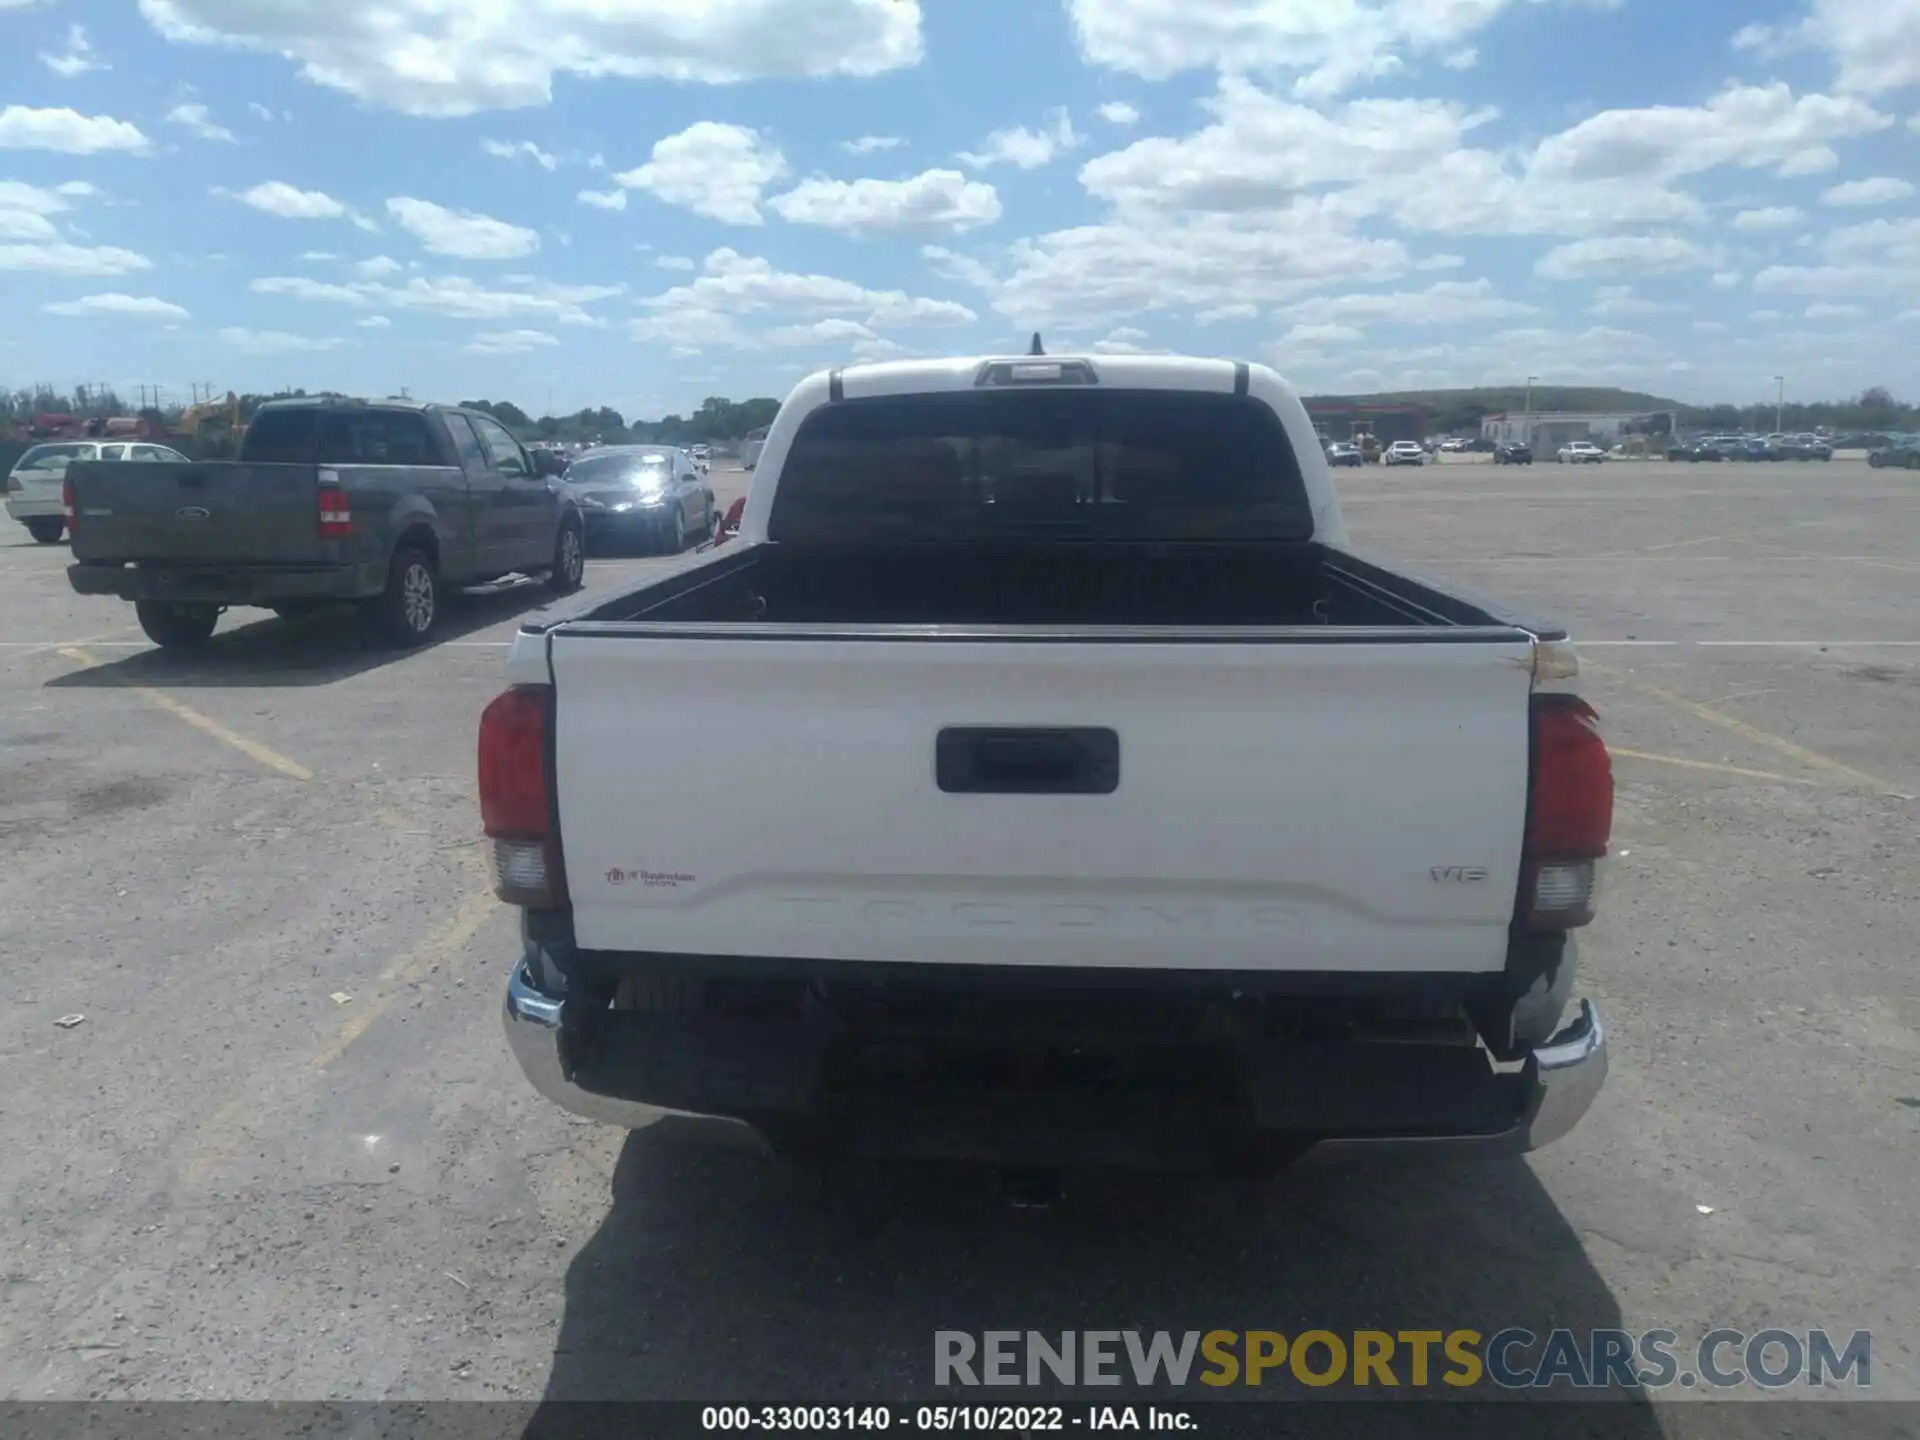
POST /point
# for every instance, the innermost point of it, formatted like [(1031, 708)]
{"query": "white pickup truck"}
[(1082, 799)]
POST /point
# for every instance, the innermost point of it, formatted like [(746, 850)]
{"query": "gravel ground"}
[(286, 1156)]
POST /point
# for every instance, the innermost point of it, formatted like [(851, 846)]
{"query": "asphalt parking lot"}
[(286, 1155)]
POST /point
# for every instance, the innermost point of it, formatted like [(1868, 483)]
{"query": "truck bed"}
[(1107, 585), (1221, 758)]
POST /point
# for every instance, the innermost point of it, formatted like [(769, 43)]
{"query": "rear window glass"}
[(54, 457), (1117, 464), (300, 436)]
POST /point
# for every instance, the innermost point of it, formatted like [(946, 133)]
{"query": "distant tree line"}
[(720, 419)]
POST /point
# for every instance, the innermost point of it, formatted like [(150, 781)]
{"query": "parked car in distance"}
[(1904, 455), (1582, 452), (654, 493), (1344, 452), (1513, 453), (1452, 447), (1405, 452), (381, 503), (1694, 452), (33, 485), (1808, 447)]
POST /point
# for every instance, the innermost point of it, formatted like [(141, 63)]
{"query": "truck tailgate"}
[(1303, 806), (215, 511)]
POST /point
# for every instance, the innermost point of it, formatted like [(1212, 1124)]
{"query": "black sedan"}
[(1905, 456), (1694, 454), (1341, 453), (652, 493), (1512, 453)]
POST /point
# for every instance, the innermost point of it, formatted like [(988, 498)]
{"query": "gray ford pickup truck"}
[(380, 503)]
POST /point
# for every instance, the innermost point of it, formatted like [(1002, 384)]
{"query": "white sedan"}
[(34, 483), (1582, 452), (1405, 452)]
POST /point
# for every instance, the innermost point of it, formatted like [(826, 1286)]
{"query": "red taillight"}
[(1569, 815), (516, 805), (336, 514), (66, 502)]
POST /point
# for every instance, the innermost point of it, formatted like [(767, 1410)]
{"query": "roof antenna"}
[(1035, 349)]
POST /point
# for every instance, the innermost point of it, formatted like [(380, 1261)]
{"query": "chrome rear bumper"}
[(1559, 1081)]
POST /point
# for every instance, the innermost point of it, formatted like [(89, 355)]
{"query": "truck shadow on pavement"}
[(319, 649), (725, 1275)]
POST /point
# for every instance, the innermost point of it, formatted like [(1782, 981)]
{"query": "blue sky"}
[(644, 202)]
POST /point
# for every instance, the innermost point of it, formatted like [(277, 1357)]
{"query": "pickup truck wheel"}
[(176, 627), (405, 613), (47, 530), (569, 570)]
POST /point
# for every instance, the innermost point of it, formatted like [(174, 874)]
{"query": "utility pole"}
[(1779, 401), (1528, 411)]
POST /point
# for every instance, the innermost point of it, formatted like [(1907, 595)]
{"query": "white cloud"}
[(1725, 279), (603, 199), (1232, 311), (1118, 112), (193, 118), (274, 342), (461, 233), (276, 197), (1874, 44), (1023, 148), (67, 131), (134, 307), (377, 266), (1329, 46), (715, 170), (1410, 160), (1446, 302), (931, 202), (1106, 273), (259, 111), (1621, 300), (512, 297), (61, 258), (820, 332), (25, 225), (1710, 327), (1123, 341), (1769, 217), (1745, 126), (1330, 333), (871, 144), (374, 322), (1879, 190), (1873, 260), (1827, 311), (24, 209), (318, 256), (415, 56), (677, 262), (509, 342), (514, 149), (1613, 254), (77, 59), (733, 287)]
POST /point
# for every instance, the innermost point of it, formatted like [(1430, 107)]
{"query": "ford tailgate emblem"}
[(192, 512)]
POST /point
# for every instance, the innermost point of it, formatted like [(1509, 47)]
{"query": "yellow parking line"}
[(1778, 744), (392, 982), (1712, 765), (206, 724)]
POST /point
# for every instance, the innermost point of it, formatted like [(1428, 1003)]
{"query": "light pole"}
[(1779, 401), (1528, 410)]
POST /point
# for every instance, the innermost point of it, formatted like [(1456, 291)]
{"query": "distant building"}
[(1544, 431), (1335, 420)]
